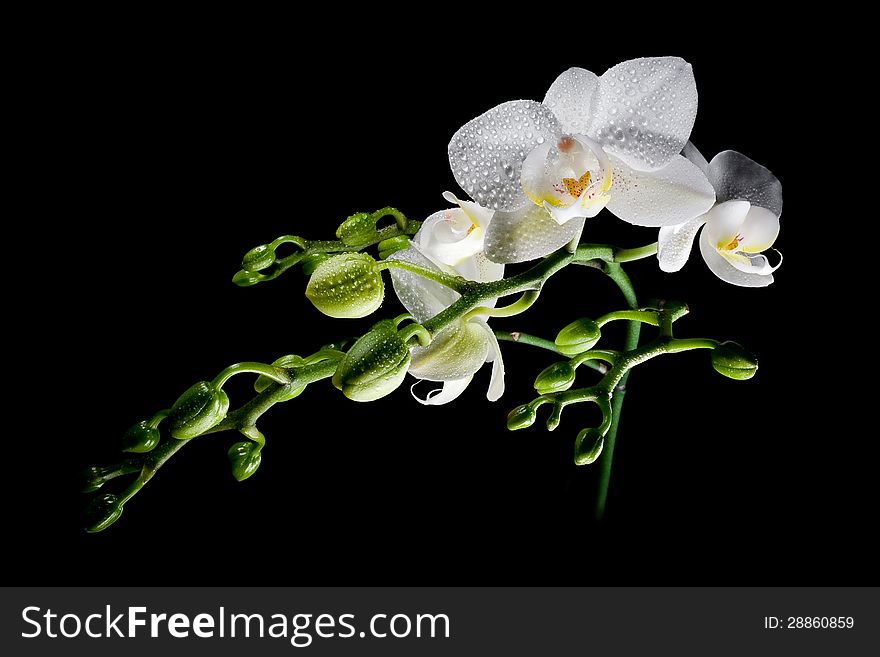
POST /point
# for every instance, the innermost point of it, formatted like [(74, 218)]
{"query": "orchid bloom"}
[(744, 222), (596, 141), (451, 241)]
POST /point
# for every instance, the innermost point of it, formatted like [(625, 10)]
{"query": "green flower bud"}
[(244, 278), (244, 458), (141, 438), (578, 337), (521, 417), (734, 362), (310, 263), (556, 378), (588, 446), (358, 229), (347, 286), (393, 245), (263, 381), (375, 366), (258, 258), (102, 512), (197, 410)]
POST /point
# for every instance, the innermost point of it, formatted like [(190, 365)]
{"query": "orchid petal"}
[(449, 237), (422, 297), (724, 270), (752, 263), (527, 234), (675, 242), (735, 176), (496, 384), (486, 154), (666, 197), (480, 268), (449, 391), (571, 98), (455, 352), (724, 223), (645, 110), (759, 230), (478, 215)]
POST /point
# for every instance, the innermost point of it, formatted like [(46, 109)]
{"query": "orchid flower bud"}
[(141, 438), (347, 286), (375, 366), (244, 458), (578, 337), (263, 381), (102, 512), (558, 377), (521, 417), (588, 446), (734, 362), (258, 258), (358, 229), (393, 245), (197, 410)]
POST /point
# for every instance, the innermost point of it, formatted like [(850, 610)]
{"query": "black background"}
[(163, 155)]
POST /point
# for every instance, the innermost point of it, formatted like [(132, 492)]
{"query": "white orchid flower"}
[(744, 222), (451, 241), (597, 141)]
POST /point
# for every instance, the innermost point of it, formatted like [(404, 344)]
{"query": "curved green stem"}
[(651, 317), (616, 273), (456, 283), (628, 255), (521, 305), (277, 374), (534, 341)]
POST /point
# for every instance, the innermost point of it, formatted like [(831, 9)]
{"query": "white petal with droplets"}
[(527, 234), (571, 99), (645, 110), (422, 297), (486, 154), (455, 352), (736, 176), (675, 242), (672, 195)]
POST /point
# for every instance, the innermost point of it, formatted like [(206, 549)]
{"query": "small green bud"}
[(244, 278), (588, 446), (244, 459), (197, 410), (521, 417), (556, 378), (310, 263), (375, 366), (258, 258), (347, 286), (263, 381), (393, 245), (578, 337), (358, 229), (141, 438), (102, 512), (734, 362)]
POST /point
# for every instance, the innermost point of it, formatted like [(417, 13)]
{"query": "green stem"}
[(616, 273), (628, 255), (651, 317), (277, 374), (534, 341), (243, 419), (456, 283), (521, 305)]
